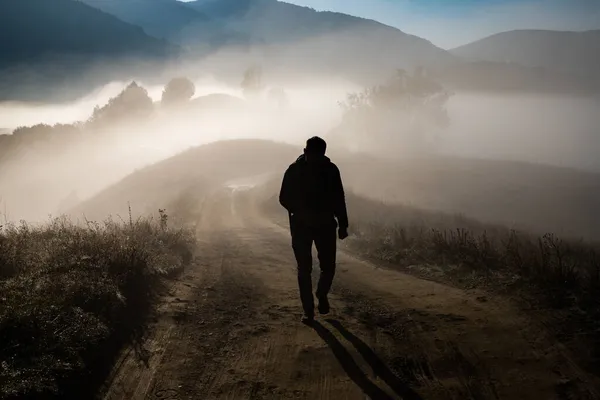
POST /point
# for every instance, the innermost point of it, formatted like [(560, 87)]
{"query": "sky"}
[(451, 23)]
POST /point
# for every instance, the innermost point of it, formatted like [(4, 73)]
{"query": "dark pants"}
[(325, 238)]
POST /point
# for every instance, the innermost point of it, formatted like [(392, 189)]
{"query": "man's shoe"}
[(308, 319), (323, 305)]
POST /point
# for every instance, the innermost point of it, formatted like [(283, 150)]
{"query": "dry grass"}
[(568, 272), (71, 296), (402, 236)]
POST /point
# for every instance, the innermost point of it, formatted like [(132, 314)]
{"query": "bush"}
[(72, 295), (177, 91), (132, 102)]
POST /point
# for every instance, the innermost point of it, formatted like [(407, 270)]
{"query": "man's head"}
[(315, 148)]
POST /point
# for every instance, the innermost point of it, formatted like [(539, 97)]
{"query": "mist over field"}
[(550, 130), (553, 129)]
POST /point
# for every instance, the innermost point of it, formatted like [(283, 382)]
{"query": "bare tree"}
[(405, 110)]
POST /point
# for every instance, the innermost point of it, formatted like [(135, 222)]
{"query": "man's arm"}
[(286, 192), (339, 200)]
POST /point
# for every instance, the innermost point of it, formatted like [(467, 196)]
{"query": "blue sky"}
[(450, 23)]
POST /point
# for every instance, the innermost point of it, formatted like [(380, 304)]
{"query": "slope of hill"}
[(366, 51), (302, 38), (195, 172), (568, 52), (519, 195), (31, 30), (502, 77), (171, 20), (159, 18), (47, 44)]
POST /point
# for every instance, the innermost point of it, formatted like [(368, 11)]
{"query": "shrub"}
[(178, 90), (71, 296), (133, 101)]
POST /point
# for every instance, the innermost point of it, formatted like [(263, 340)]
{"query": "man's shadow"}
[(353, 370)]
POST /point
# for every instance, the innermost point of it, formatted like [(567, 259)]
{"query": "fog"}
[(120, 150), (557, 130), (552, 130)]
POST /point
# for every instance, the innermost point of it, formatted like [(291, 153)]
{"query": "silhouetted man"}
[(313, 194)]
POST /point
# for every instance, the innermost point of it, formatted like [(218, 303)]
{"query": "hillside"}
[(503, 77), (45, 44), (576, 53), (300, 38), (514, 194), (159, 18), (171, 20), (194, 171), (60, 42), (34, 30)]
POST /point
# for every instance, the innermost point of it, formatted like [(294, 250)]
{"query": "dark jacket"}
[(314, 190)]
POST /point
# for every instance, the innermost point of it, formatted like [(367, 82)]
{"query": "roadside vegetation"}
[(71, 296), (568, 271)]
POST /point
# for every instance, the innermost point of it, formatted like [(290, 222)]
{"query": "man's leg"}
[(302, 244), (326, 243)]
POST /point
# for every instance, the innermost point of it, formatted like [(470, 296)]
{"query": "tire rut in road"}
[(210, 331)]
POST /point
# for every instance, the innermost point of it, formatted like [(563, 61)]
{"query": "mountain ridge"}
[(287, 40), (49, 43), (571, 52), (296, 37)]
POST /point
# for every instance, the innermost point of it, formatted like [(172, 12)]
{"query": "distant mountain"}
[(498, 77), (52, 42), (49, 44), (283, 36), (575, 53), (159, 18), (295, 37), (366, 51), (171, 20), (31, 30)]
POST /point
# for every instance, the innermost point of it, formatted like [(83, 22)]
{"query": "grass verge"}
[(72, 296)]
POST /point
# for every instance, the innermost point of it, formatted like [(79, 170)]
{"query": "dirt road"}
[(230, 330)]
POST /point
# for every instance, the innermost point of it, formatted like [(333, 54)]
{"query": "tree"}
[(279, 96), (252, 82), (406, 110), (177, 91), (133, 101)]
